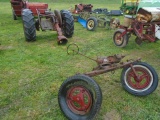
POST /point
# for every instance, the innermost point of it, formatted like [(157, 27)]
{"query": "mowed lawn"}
[(32, 72)]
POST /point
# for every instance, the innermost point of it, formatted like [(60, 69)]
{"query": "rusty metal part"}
[(18, 5), (145, 31), (82, 7), (104, 64), (148, 14), (109, 59), (52, 21), (61, 38), (72, 49), (111, 67)]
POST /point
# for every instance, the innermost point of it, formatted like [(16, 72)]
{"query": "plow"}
[(80, 96)]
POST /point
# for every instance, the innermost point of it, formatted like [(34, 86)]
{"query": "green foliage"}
[(31, 73)]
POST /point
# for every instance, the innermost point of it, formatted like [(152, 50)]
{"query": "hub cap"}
[(90, 24), (141, 81), (118, 40), (79, 100)]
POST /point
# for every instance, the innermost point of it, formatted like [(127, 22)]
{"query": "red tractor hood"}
[(35, 5)]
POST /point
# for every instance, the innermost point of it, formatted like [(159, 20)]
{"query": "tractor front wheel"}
[(28, 25), (80, 98), (120, 41), (67, 23)]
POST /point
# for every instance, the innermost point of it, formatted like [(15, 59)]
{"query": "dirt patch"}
[(5, 47), (112, 115)]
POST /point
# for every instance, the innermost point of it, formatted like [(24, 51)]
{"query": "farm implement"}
[(80, 97), (145, 26), (129, 6), (60, 21), (90, 19)]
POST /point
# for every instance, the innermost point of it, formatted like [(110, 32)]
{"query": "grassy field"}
[(31, 73)]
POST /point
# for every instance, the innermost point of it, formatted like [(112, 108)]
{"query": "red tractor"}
[(60, 21)]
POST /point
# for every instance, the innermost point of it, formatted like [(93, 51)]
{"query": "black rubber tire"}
[(124, 39), (89, 85), (91, 24), (67, 23), (29, 25), (138, 41), (146, 72)]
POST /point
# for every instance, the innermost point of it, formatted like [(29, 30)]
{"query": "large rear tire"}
[(144, 84), (120, 42), (67, 23), (80, 98), (28, 25)]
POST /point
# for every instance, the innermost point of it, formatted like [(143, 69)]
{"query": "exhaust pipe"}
[(61, 38)]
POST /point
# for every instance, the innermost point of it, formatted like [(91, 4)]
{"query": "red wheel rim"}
[(118, 40), (142, 81), (79, 100)]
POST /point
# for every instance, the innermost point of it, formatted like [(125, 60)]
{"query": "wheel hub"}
[(79, 100), (90, 24), (139, 81)]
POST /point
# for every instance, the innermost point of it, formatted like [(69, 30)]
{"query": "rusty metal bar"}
[(110, 68), (61, 38)]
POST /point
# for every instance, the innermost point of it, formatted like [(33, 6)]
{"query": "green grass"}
[(31, 73)]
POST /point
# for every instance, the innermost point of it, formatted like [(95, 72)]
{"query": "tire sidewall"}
[(140, 93), (125, 38), (67, 23), (95, 23), (28, 25), (93, 89)]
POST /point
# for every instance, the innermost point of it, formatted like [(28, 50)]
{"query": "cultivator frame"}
[(81, 97)]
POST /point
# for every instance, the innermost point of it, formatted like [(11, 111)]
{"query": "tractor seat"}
[(129, 16), (47, 12)]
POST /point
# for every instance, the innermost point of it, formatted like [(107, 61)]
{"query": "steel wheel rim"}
[(79, 100), (90, 24), (118, 41), (143, 83)]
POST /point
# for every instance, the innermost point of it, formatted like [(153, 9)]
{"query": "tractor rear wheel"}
[(28, 25), (67, 23)]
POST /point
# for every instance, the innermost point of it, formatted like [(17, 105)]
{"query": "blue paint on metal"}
[(82, 22)]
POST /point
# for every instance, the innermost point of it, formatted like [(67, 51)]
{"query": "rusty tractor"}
[(60, 21), (145, 26), (80, 97)]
